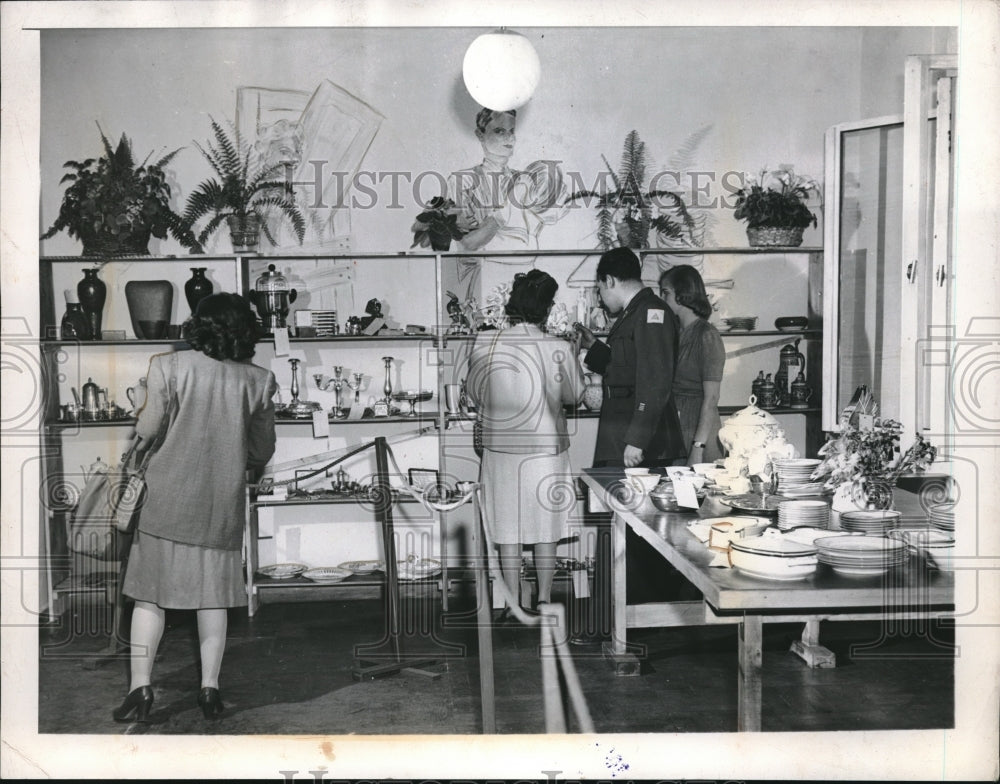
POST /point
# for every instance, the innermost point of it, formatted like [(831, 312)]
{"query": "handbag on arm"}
[(112, 497)]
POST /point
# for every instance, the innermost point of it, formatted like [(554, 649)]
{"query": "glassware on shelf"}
[(413, 397)]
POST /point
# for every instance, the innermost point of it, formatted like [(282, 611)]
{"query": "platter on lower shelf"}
[(363, 567), (327, 574), (414, 568), (282, 571)]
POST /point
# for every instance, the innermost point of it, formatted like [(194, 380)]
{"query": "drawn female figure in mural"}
[(499, 206)]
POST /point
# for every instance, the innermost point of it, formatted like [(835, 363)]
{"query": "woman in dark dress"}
[(187, 549), (701, 359)]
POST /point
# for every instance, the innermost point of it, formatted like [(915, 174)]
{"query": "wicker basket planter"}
[(770, 236)]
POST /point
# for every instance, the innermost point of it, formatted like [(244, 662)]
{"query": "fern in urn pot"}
[(242, 194)]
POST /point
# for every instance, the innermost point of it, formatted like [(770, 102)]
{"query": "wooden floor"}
[(289, 671)]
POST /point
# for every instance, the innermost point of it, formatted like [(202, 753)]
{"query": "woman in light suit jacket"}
[(186, 553), (522, 378)]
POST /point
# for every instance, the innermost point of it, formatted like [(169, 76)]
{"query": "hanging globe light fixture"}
[(501, 70)]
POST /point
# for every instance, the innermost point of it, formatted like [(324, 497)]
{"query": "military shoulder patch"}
[(654, 316)]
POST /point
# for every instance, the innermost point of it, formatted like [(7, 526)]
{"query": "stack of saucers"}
[(801, 514), (794, 477), (871, 522), (324, 322), (740, 323), (943, 516), (861, 556)]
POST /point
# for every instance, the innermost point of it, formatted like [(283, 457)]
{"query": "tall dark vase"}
[(92, 293), (149, 306), (197, 288)]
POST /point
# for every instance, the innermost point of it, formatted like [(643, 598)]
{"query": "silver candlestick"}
[(337, 382), (356, 386), (299, 408), (387, 387)]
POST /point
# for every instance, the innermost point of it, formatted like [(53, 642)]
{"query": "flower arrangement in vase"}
[(864, 462)]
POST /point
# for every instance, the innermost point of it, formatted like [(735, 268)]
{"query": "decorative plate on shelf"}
[(752, 502), (327, 574), (282, 571), (362, 567), (414, 568)]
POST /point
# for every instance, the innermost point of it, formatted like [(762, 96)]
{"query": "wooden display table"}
[(912, 591)]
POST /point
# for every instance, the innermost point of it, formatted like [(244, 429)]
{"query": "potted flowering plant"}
[(864, 463), (437, 225), (773, 204), (114, 206)]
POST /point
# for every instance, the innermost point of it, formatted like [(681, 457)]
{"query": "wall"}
[(759, 97)]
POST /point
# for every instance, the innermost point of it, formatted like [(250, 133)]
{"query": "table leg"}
[(809, 649), (751, 657), (618, 599), (625, 663)]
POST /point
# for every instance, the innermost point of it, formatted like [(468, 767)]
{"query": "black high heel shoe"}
[(139, 701), (211, 702)]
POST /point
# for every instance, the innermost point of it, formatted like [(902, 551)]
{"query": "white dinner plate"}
[(362, 567), (327, 574)]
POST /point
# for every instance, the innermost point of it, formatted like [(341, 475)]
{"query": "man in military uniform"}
[(639, 424)]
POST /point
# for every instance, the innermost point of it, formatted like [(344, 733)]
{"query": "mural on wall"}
[(320, 139)]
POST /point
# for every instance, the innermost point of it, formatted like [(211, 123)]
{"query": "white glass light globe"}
[(501, 70)]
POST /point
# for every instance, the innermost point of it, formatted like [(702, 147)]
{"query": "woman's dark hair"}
[(485, 115), (688, 287), (531, 297), (622, 263), (223, 327)]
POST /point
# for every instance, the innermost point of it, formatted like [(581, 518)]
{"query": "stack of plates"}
[(943, 516), (324, 322), (803, 514), (871, 522), (362, 567), (740, 322), (794, 477), (861, 556), (414, 568)]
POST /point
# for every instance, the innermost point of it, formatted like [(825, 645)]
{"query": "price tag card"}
[(581, 585), (281, 344), (685, 492), (357, 411), (321, 425)]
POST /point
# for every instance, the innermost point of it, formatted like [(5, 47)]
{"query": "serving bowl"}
[(665, 499), (773, 557), (791, 323)]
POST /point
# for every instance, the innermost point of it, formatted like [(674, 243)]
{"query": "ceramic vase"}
[(593, 392), (92, 293), (149, 306), (197, 288), (74, 324)]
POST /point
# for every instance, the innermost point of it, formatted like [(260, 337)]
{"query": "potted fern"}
[(114, 206), (627, 213), (242, 194), (773, 204)]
